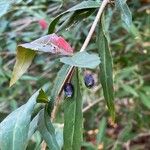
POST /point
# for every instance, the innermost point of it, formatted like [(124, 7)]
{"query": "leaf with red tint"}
[(43, 24), (51, 44)]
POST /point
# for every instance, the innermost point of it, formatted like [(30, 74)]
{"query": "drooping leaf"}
[(73, 118), (47, 130), (14, 128), (23, 61), (42, 97), (25, 52), (106, 71), (126, 17), (82, 59), (85, 5)]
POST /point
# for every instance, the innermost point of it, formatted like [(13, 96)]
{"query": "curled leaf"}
[(25, 52)]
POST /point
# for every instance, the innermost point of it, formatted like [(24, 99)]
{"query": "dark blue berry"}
[(89, 80), (68, 89)]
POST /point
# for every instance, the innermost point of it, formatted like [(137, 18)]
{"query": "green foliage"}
[(126, 17), (42, 97), (47, 130), (14, 128), (102, 130), (73, 118), (106, 75), (84, 6), (82, 59), (30, 125), (23, 61)]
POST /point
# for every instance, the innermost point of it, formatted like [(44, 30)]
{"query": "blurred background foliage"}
[(131, 61)]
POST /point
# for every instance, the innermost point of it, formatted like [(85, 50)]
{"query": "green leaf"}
[(75, 17), (130, 90), (61, 75), (82, 59), (47, 130), (59, 134), (101, 132), (14, 128), (85, 5), (5, 6), (106, 75), (145, 99), (23, 61), (73, 118), (57, 88), (25, 52), (42, 97), (33, 126), (126, 17)]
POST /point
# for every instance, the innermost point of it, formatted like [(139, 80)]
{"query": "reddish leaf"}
[(51, 44)]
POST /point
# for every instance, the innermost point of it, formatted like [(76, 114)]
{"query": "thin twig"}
[(86, 42), (91, 105)]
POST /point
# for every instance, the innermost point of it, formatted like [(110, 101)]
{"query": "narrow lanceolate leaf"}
[(78, 9), (73, 118), (106, 77), (61, 75), (82, 59), (47, 130), (23, 61), (101, 132), (126, 17), (14, 128), (52, 44)]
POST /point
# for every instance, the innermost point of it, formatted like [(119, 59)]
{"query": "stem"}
[(100, 11), (86, 42)]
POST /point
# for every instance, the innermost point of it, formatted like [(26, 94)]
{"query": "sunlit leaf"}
[(23, 61), (82, 59), (42, 97)]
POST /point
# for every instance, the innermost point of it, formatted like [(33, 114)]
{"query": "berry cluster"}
[(88, 80)]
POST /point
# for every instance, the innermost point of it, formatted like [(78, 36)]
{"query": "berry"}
[(68, 89), (89, 80)]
